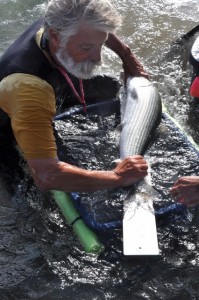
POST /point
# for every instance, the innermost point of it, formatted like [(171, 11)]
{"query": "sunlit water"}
[(39, 255)]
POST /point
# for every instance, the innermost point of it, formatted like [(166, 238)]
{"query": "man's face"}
[(82, 54)]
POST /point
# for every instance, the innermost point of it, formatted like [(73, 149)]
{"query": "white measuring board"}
[(139, 228)]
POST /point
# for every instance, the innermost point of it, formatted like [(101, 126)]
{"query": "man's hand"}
[(186, 190), (131, 170)]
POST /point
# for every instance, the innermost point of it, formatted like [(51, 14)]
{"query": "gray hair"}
[(67, 16)]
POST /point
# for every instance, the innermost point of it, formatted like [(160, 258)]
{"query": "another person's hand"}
[(131, 170), (186, 190)]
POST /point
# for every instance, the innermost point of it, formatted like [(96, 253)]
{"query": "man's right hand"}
[(131, 170)]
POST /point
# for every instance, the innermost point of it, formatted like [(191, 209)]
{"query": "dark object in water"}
[(187, 35)]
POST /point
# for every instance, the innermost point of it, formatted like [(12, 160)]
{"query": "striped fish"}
[(141, 112)]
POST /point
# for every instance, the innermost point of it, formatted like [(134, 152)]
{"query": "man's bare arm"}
[(52, 174), (131, 65)]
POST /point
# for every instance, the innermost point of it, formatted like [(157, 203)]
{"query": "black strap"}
[(75, 220)]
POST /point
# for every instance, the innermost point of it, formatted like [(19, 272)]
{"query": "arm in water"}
[(52, 174), (186, 190), (131, 65)]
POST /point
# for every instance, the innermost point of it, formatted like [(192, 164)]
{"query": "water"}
[(39, 255)]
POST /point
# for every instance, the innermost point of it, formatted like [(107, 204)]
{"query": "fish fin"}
[(118, 129), (145, 188), (115, 162), (117, 133)]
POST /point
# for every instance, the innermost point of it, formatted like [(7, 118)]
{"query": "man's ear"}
[(54, 39)]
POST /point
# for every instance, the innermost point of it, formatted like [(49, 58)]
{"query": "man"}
[(39, 67)]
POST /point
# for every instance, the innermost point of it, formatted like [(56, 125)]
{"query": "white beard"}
[(84, 70)]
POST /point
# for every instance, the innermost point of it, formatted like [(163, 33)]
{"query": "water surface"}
[(39, 255)]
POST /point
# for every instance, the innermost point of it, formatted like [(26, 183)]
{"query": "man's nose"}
[(95, 55)]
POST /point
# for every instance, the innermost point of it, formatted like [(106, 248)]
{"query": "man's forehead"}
[(89, 35)]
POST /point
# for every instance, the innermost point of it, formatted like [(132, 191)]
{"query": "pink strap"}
[(82, 98)]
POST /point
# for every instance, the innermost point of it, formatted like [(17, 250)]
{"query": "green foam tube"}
[(87, 237)]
